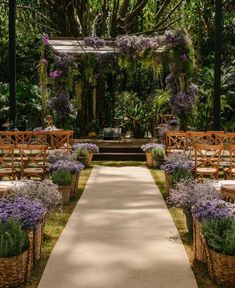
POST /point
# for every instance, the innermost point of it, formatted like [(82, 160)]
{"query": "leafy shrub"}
[(180, 174), (158, 151), (61, 178), (13, 239), (220, 235), (80, 152)]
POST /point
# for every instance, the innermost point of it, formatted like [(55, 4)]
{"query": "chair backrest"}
[(33, 155), (208, 155), (175, 140), (231, 149), (61, 139)]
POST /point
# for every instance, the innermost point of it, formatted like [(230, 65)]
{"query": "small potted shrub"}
[(177, 167), (219, 239), (14, 246), (81, 154), (90, 147), (64, 180), (158, 155), (189, 192), (207, 210), (147, 148)]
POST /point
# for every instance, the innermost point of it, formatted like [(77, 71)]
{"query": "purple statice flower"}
[(44, 191), (28, 212), (189, 192), (88, 146), (61, 104), (94, 41), (150, 146), (130, 45), (55, 74), (184, 57), (175, 161), (193, 89), (181, 103), (44, 39), (72, 167), (58, 154), (213, 209)]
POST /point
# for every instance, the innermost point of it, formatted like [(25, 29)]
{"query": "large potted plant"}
[(63, 179), (219, 239), (82, 155), (147, 148), (158, 155), (14, 246), (189, 192), (207, 210), (90, 147)]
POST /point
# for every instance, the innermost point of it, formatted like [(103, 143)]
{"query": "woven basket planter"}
[(168, 181), (74, 185), (90, 156), (221, 267), (228, 193), (4, 191), (38, 240), (149, 159), (198, 244), (65, 192), (15, 270)]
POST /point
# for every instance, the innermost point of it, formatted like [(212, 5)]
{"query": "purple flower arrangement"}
[(28, 212), (58, 154), (181, 103), (72, 167), (189, 192), (213, 209), (44, 39), (55, 74), (177, 160), (94, 41), (150, 146), (88, 146), (61, 104)]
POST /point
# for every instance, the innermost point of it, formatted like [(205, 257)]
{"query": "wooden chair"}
[(176, 140), (229, 172), (61, 139), (7, 165), (165, 118), (33, 160), (6, 137), (207, 160)]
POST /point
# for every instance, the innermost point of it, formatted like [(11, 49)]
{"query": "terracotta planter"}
[(65, 192), (74, 185), (149, 159)]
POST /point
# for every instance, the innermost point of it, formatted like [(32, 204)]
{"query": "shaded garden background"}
[(139, 81)]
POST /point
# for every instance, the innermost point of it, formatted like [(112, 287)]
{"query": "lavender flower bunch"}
[(130, 45), (94, 41), (189, 192), (175, 161), (213, 209), (150, 146), (181, 103), (72, 167), (61, 104), (88, 146), (58, 154), (28, 212), (44, 191)]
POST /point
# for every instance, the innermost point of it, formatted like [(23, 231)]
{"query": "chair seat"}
[(205, 170), (33, 171), (6, 171)]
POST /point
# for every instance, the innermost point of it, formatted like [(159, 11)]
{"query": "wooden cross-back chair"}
[(229, 172), (7, 162), (207, 160), (165, 118), (61, 139), (33, 160), (6, 137), (224, 138), (175, 140)]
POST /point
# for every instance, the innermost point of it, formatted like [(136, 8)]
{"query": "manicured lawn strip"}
[(199, 269), (119, 163), (55, 224)]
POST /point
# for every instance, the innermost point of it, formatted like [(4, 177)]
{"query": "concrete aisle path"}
[(120, 235)]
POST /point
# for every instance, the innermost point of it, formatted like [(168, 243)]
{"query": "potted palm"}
[(158, 155), (14, 251), (64, 180), (219, 239)]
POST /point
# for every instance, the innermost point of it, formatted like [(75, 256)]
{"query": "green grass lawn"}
[(55, 224)]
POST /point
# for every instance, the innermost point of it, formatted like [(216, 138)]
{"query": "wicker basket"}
[(149, 159), (16, 270), (228, 192), (37, 241), (65, 192), (74, 185), (221, 267), (4, 191), (90, 156), (198, 244), (168, 180)]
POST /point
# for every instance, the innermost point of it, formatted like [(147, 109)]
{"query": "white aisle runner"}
[(120, 235)]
